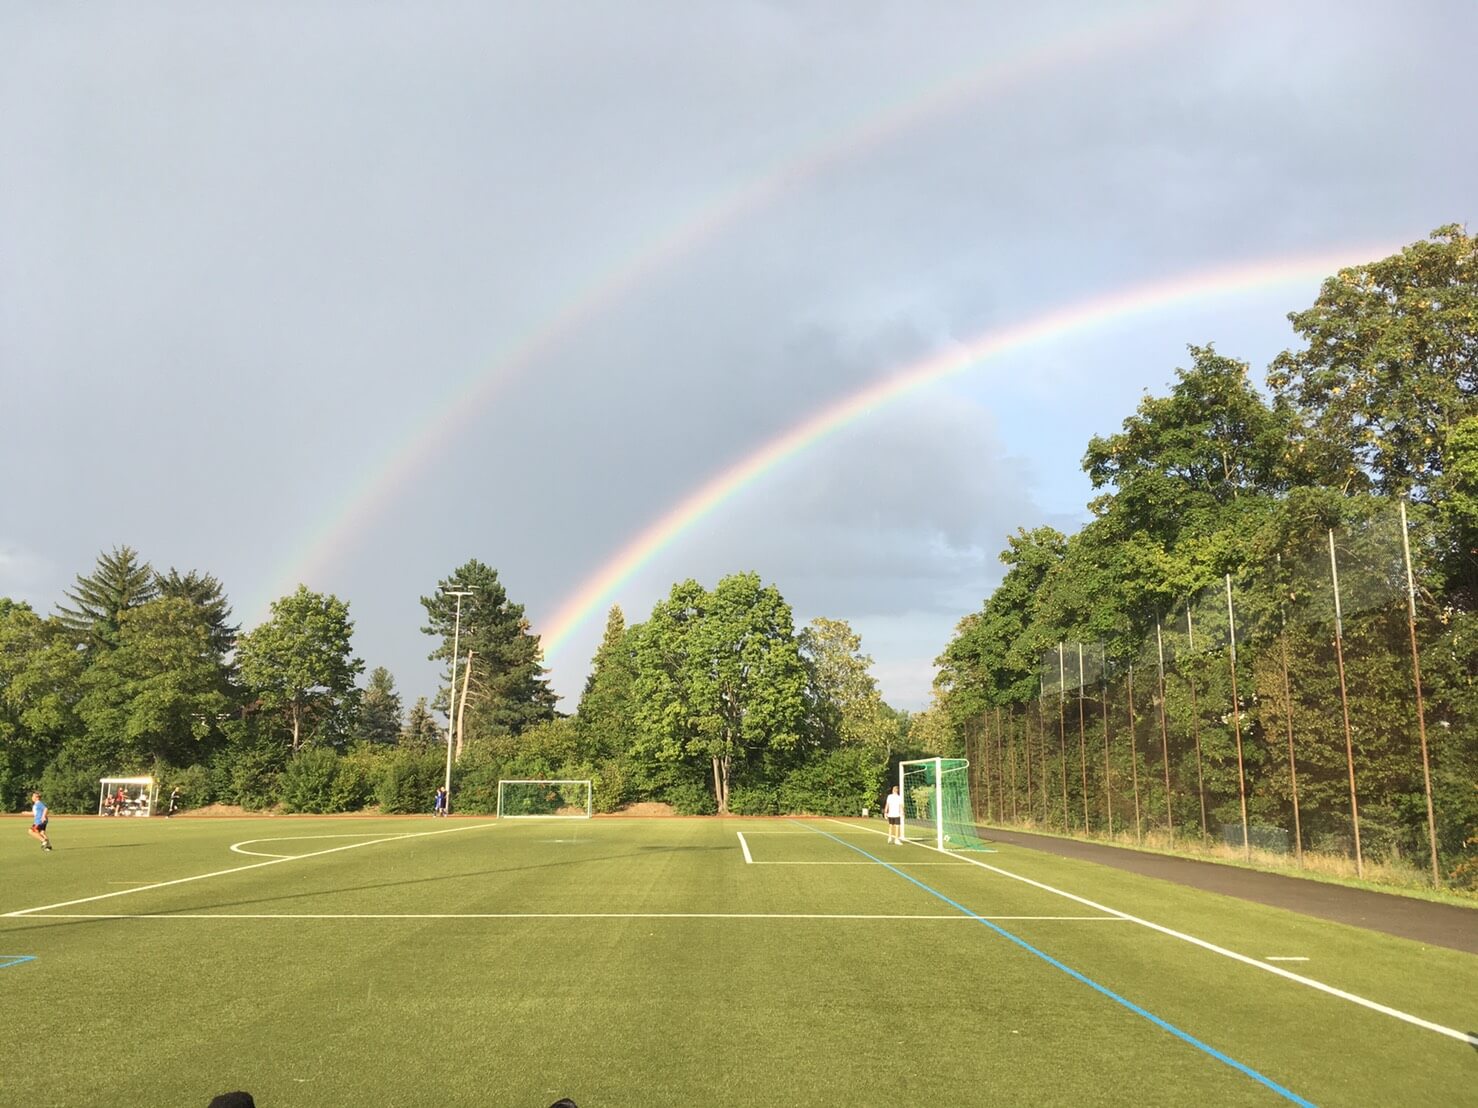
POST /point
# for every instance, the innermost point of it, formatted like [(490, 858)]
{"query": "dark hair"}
[(233, 1100)]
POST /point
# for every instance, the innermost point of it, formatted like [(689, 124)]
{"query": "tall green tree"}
[(720, 678), (120, 581), (846, 706), (161, 691), (379, 715), (509, 690), (40, 672), (1390, 364), (300, 662), (421, 728), (206, 593), (605, 716)]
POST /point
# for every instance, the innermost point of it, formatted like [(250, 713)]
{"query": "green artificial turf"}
[(645, 962)]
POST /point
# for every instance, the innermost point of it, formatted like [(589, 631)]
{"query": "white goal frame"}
[(589, 795), (935, 825)]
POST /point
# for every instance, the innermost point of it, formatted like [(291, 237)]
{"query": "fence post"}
[(1134, 760), (1190, 632), (1421, 714), (1344, 703), (1164, 733)]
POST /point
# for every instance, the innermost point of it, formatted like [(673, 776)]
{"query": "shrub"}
[(754, 800), (839, 783), (408, 781), (194, 783), (306, 783), (689, 798), (354, 783), (70, 783)]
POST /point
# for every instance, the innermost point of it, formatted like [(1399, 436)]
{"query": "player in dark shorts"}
[(39, 818)]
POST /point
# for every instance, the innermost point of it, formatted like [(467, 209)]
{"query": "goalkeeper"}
[(893, 813)]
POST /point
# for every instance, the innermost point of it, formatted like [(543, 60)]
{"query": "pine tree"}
[(421, 729), (605, 714), (379, 709), (205, 592), (509, 688), (120, 581)]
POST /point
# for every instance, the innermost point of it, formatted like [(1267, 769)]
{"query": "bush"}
[(409, 780), (70, 783), (689, 798), (754, 800), (354, 783), (306, 783), (193, 782), (839, 783)]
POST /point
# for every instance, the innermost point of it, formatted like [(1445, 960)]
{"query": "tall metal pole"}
[(451, 703), (1421, 713), (1108, 780), (1082, 740), (1237, 721), (1344, 703), (1067, 822), (1164, 734), (1298, 841), (1134, 761), (1190, 634)]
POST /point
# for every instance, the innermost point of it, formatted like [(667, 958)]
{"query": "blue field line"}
[(8, 960), (1165, 1025)]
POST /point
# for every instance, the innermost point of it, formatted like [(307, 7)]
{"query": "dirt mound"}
[(218, 810), (647, 808)]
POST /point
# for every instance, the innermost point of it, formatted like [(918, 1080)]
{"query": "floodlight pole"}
[(451, 704)]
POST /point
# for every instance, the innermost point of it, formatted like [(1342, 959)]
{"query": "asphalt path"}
[(1422, 921)]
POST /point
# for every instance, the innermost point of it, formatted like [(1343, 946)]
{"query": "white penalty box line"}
[(1309, 982), (275, 860)]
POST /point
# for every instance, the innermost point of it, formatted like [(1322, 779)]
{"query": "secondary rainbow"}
[(463, 404), (596, 591)]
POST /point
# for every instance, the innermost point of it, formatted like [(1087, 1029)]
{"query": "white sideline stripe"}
[(955, 916), (241, 869), (854, 863), (236, 847), (747, 859), (1395, 1013)]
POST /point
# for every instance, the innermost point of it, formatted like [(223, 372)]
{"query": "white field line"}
[(1395, 1013), (236, 847), (242, 869), (909, 864), (748, 860), (943, 918)]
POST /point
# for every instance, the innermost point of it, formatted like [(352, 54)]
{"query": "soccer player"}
[(39, 816), (893, 812)]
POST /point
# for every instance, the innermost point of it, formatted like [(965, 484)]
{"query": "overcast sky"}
[(348, 293)]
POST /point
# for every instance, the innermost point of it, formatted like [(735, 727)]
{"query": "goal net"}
[(936, 804), (544, 799)]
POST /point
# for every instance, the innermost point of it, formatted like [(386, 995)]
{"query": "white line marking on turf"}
[(236, 847), (242, 869), (854, 863), (1395, 1013), (747, 859), (562, 915)]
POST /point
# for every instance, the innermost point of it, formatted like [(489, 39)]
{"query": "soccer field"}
[(678, 962)]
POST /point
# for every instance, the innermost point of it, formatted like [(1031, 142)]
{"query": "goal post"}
[(540, 799), (936, 804)]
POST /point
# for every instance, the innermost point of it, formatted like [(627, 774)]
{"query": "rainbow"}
[(460, 406), (596, 590)]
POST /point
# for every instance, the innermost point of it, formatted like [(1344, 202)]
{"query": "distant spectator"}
[(174, 803), (233, 1100)]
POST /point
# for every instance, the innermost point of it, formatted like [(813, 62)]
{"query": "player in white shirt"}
[(893, 812)]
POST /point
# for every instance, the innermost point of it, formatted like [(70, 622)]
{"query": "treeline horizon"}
[(1246, 559)]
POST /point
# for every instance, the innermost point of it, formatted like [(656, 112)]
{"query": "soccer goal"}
[(544, 799), (936, 803)]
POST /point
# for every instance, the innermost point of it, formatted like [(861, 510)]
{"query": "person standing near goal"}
[(39, 816), (893, 813)]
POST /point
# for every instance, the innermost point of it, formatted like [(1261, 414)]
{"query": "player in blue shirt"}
[(39, 815)]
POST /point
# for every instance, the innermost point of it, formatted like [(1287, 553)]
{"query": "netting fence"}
[(1317, 701)]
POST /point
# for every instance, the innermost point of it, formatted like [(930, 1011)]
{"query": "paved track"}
[(1422, 921)]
